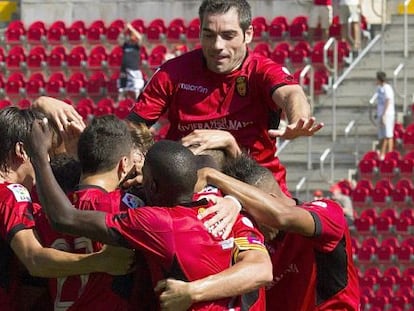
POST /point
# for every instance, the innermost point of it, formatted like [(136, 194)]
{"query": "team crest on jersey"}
[(241, 85), (21, 194), (132, 201)]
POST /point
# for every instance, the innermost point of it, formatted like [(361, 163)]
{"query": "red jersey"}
[(15, 215), (183, 249), (95, 291), (319, 269), (239, 102)]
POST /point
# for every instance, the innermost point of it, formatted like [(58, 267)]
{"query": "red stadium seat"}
[(56, 34), (139, 25), (281, 53), (15, 33), (104, 107), (96, 84), (24, 103), (76, 33), (112, 84), (388, 168), (76, 84), (97, 58), (96, 32), (361, 197), (36, 33), (37, 59), (77, 58), (298, 29), (15, 85), (56, 61), (157, 56), (156, 30), (300, 53), (56, 84), (16, 59), (176, 30), (262, 48), (408, 140), (393, 271), (406, 168), (115, 29), (335, 28), (35, 85), (85, 107), (321, 81), (5, 103), (278, 28), (115, 58), (260, 28), (364, 226), (380, 197), (193, 30)]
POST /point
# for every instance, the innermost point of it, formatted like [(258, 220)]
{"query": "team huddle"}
[(112, 220)]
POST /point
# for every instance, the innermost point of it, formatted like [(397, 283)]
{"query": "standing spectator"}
[(131, 80), (350, 12), (385, 114), (320, 14), (346, 203), (223, 86)]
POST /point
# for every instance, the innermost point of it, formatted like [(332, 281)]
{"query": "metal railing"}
[(382, 15), (403, 94), (322, 160), (353, 127), (406, 3), (302, 182)]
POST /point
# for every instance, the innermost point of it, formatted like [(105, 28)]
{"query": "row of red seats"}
[(394, 165), (59, 58), (385, 299), (78, 84), (302, 52), (98, 31)]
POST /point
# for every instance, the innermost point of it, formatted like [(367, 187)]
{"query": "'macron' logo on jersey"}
[(193, 88), (218, 124)]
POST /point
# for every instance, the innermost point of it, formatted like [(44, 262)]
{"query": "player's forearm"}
[(292, 99), (245, 276)]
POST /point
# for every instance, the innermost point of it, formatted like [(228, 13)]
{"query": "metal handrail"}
[(382, 15), (406, 3), (322, 162), (299, 186), (353, 125), (282, 146), (396, 72)]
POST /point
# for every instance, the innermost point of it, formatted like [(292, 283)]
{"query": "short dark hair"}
[(15, 126), (174, 168), (381, 76), (103, 142), (67, 171), (223, 6)]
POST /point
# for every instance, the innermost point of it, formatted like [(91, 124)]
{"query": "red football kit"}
[(15, 215), (96, 291), (240, 102), (181, 247), (314, 273)]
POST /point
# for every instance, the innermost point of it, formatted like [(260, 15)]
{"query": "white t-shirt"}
[(385, 92)]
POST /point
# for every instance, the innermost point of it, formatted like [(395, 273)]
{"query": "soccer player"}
[(309, 242), (224, 86), (17, 226), (171, 234)]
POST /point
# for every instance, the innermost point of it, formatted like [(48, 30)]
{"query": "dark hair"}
[(15, 126), (246, 169), (381, 76), (103, 142), (174, 168), (223, 6), (67, 171)]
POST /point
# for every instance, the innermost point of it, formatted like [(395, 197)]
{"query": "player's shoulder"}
[(16, 192)]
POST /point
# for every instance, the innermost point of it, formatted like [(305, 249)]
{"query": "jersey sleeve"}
[(154, 100), (16, 211), (246, 237), (330, 223), (148, 229)]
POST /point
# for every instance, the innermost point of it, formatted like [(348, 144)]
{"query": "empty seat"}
[(96, 84), (35, 85), (298, 29), (139, 25), (15, 33), (176, 30), (262, 48), (36, 33), (157, 56), (156, 30), (97, 58), (281, 53), (278, 28), (193, 30), (335, 28), (85, 107), (16, 59), (56, 34), (56, 84), (76, 32), (37, 59), (260, 28), (77, 58), (104, 106), (96, 32), (56, 60), (114, 30), (75, 85)]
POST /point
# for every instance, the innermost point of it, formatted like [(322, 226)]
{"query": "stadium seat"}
[(114, 59), (262, 48), (367, 169), (56, 85), (96, 84), (35, 85), (15, 86), (76, 32), (335, 28), (406, 168), (56, 33), (15, 33), (298, 29), (405, 255), (321, 81), (366, 257), (97, 58), (77, 59), (361, 197), (85, 107), (380, 197), (278, 28), (114, 30), (37, 59), (24, 103), (364, 226), (281, 53), (388, 168), (379, 303), (112, 84), (105, 106), (408, 140), (16, 59), (76, 84), (387, 284), (317, 55), (156, 30), (56, 61), (176, 30), (37, 33), (5, 103), (260, 28), (345, 185), (393, 271), (157, 56), (96, 32), (300, 54), (193, 30)]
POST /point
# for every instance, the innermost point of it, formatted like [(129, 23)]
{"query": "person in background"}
[(385, 114), (350, 13), (345, 201), (131, 79), (320, 15), (318, 194)]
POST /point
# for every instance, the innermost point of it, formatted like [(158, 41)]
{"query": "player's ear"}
[(248, 34)]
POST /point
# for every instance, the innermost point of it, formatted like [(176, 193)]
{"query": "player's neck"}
[(103, 180)]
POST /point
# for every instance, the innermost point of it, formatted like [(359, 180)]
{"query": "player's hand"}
[(225, 212), (59, 112), (303, 127), (201, 140), (117, 260), (175, 295), (70, 137), (39, 141)]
